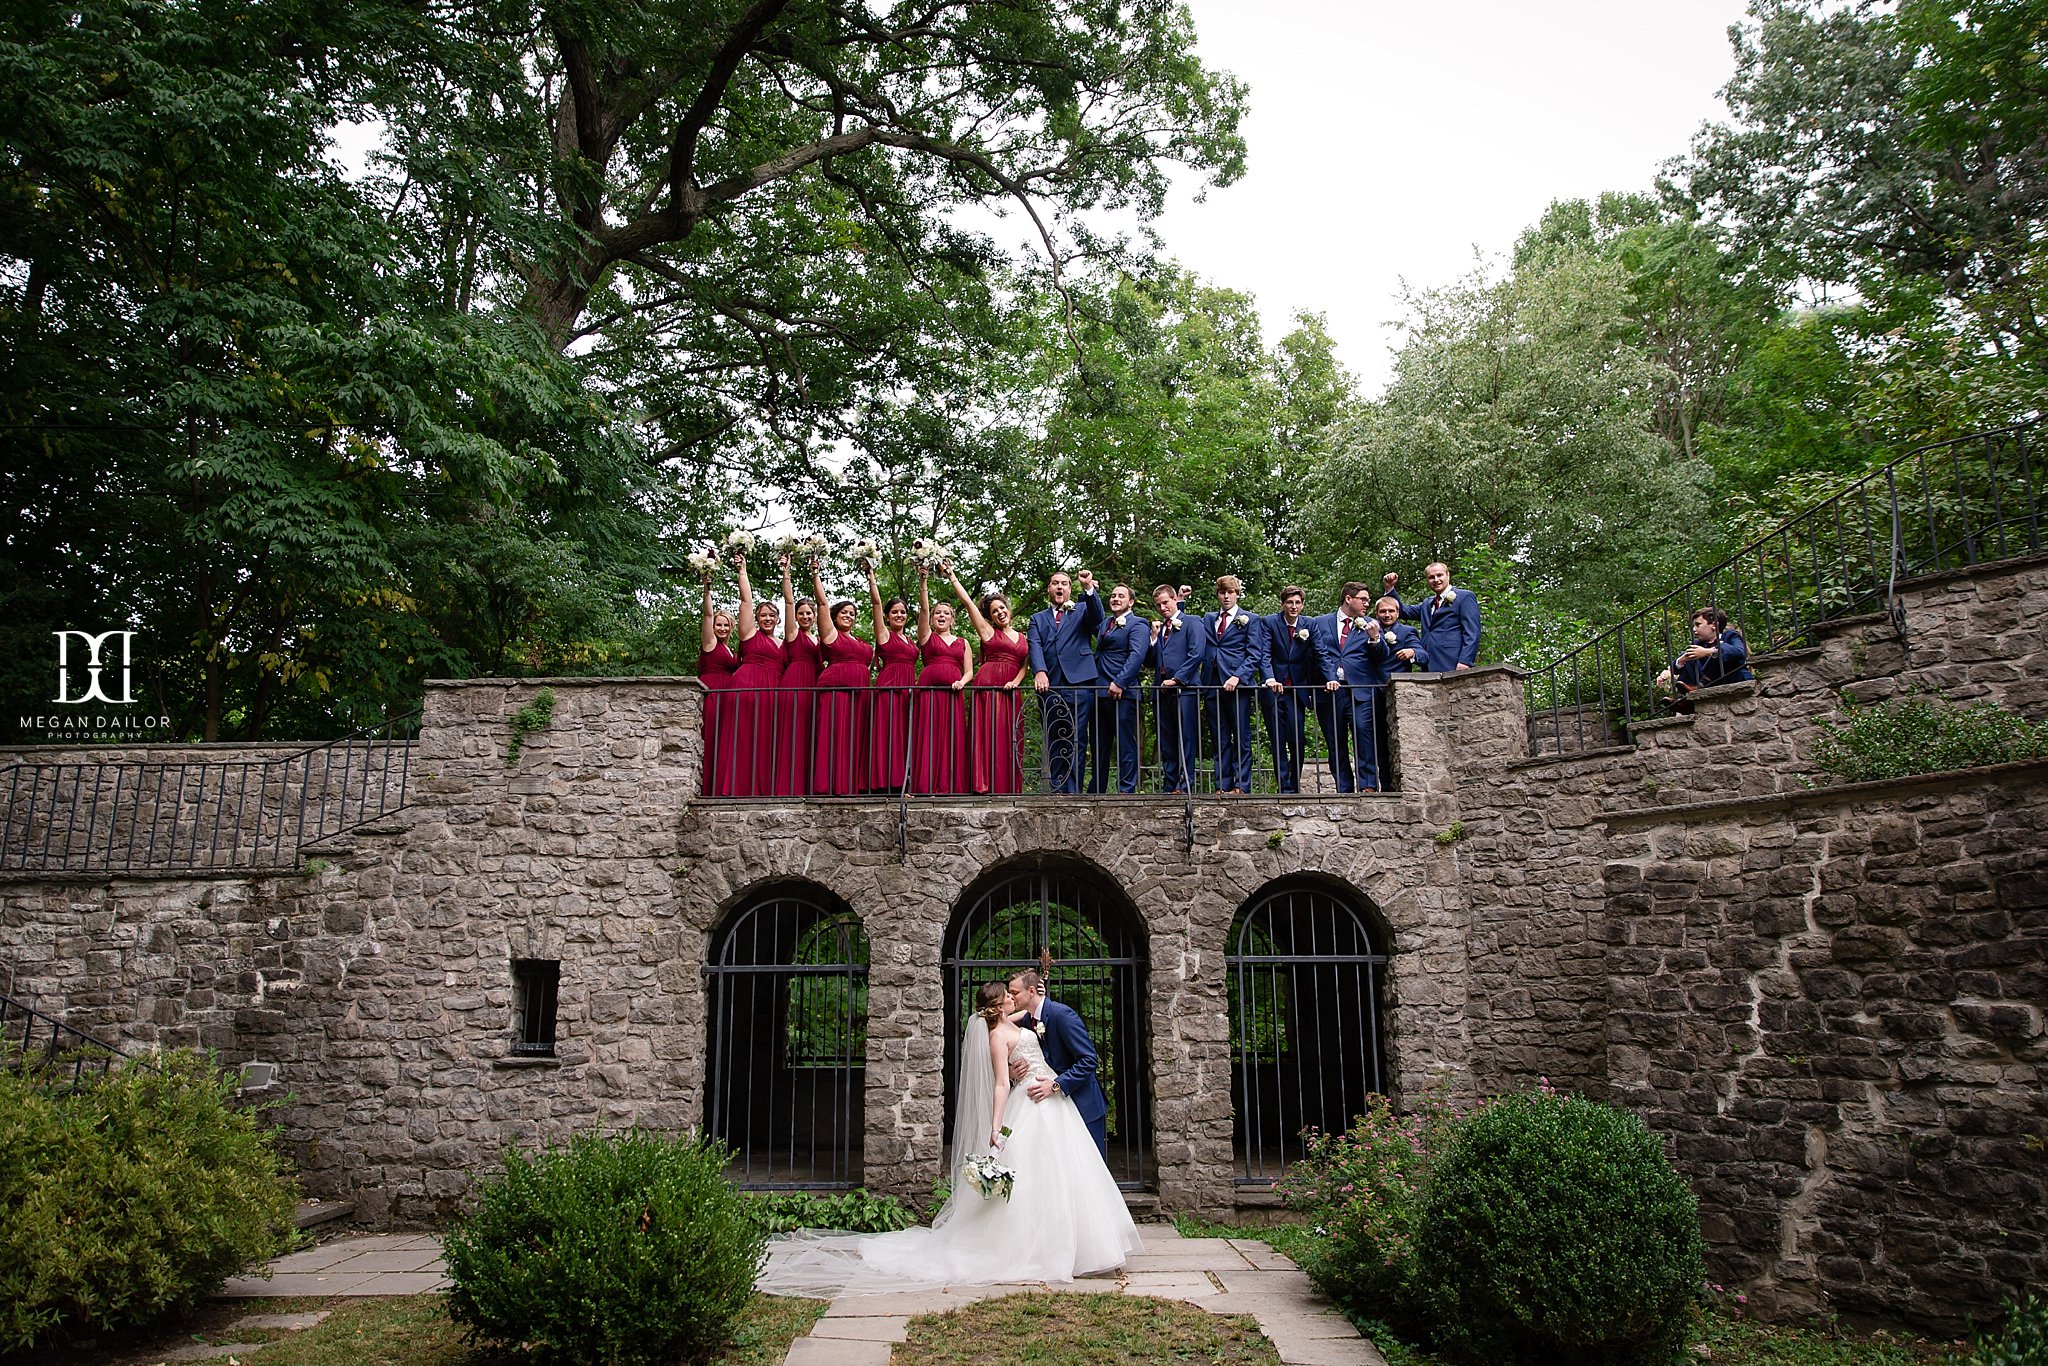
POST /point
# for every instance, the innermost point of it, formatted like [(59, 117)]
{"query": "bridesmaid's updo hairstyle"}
[(990, 1001)]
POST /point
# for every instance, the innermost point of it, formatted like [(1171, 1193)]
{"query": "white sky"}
[(1389, 138)]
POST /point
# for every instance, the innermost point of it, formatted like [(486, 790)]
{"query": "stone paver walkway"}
[(1221, 1275)]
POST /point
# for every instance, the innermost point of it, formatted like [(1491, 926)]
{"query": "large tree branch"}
[(724, 64)]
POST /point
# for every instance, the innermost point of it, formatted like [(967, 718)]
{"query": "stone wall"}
[(1582, 918)]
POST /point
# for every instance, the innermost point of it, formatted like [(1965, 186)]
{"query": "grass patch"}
[(1098, 1329), (412, 1330)]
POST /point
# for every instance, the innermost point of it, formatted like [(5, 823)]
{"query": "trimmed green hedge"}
[(132, 1198)]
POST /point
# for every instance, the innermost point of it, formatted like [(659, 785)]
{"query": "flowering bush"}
[(1363, 1190)]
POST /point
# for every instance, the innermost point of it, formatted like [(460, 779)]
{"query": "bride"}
[(1065, 1216)]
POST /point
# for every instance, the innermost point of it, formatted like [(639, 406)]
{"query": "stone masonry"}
[(1827, 1000)]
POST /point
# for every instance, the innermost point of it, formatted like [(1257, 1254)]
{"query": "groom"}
[(1067, 1048)]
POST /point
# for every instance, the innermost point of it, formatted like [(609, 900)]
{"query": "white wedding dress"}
[(1065, 1216)]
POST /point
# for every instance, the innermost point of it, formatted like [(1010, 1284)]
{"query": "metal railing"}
[(219, 812), (905, 744), (61, 1048), (1946, 505)]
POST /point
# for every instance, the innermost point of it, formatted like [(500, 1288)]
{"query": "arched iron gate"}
[(1098, 970), (786, 1080), (1305, 970)]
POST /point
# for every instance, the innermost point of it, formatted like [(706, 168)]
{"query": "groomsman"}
[(1063, 669), (1230, 679), (1352, 653), (1120, 650), (1291, 670), (1180, 647), (1449, 618), (1405, 654)]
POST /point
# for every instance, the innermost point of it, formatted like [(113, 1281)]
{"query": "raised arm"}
[(924, 604), (981, 625), (788, 603), (745, 628), (875, 600), (827, 631), (710, 636)]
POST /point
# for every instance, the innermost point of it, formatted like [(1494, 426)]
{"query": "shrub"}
[(1363, 1191), (1911, 735), (130, 1198), (850, 1211), (617, 1249), (2023, 1342), (1553, 1230)]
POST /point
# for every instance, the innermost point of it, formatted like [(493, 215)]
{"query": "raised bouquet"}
[(789, 544), (989, 1176), (863, 552), (742, 541), (813, 546), (701, 564), (930, 553)]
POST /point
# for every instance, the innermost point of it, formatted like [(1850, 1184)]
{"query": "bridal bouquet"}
[(702, 564), (863, 552), (789, 544), (989, 1176), (930, 553), (813, 546), (742, 541)]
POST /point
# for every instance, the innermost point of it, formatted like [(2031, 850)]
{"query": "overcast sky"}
[(1389, 139)]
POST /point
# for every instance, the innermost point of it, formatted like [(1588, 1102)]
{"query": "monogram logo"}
[(94, 667)]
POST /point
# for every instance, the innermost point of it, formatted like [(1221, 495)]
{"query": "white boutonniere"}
[(1301, 633), (1242, 623), (1039, 1029)]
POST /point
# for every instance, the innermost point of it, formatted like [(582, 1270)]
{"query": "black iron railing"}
[(907, 744), (209, 812), (48, 1048), (1948, 505)]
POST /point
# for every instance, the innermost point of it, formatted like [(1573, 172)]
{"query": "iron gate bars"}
[(786, 1083), (1098, 970), (219, 813), (1948, 505), (1305, 971)]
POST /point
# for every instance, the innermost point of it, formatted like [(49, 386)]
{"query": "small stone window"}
[(535, 983)]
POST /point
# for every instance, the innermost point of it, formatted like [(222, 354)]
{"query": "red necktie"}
[(1058, 615), (1343, 632), (1221, 622)]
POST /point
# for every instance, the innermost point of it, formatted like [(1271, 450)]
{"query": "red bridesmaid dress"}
[(889, 739), (993, 741), (750, 715), (938, 723), (715, 668), (797, 714), (844, 722)]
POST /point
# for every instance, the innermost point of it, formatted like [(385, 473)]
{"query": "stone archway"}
[(1000, 925), (786, 1069)]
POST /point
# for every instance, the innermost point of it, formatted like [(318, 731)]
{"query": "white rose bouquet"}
[(863, 552), (742, 541), (930, 553), (790, 544), (989, 1176), (704, 565), (813, 546)]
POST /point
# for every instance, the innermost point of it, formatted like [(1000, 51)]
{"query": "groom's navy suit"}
[(1063, 649), (1072, 1054)]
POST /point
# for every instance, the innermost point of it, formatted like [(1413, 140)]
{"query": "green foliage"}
[(2022, 1342), (1363, 1189), (1911, 735), (617, 1249), (130, 1199), (1450, 835), (854, 1211), (1553, 1230), (535, 716)]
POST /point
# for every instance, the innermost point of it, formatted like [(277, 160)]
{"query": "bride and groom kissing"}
[(1028, 1094)]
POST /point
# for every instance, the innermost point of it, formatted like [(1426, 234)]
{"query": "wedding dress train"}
[(1064, 1218)]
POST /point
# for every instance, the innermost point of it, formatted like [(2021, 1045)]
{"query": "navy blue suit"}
[(1179, 655), (1355, 662), (1063, 649), (1450, 631), (1120, 653), (1290, 660), (1401, 636), (1730, 663), (1071, 1053), (1234, 652)]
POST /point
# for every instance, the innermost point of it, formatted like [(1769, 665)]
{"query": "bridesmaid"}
[(938, 723), (752, 711), (841, 769), (992, 729), (797, 706), (889, 753), (715, 665)]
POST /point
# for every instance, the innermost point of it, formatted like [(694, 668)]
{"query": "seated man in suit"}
[(1120, 650), (1230, 678), (1352, 653), (1718, 654), (1291, 673), (1180, 647), (1449, 618), (1063, 673)]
